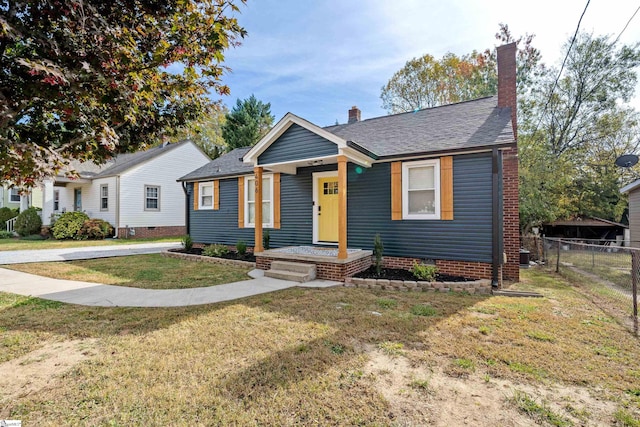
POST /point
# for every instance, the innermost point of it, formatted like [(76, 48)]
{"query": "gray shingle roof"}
[(120, 163), (461, 126), (228, 164), (465, 125)]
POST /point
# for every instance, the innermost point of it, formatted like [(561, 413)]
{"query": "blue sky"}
[(318, 58)]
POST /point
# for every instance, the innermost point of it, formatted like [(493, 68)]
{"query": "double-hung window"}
[(104, 197), (421, 189), (151, 198), (205, 194), (250, 201), (56, 200), (14, 195)]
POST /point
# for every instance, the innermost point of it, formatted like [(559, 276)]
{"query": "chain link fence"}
[(607, 272)]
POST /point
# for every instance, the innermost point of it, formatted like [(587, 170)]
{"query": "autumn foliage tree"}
[(427, 82), (89, 79)]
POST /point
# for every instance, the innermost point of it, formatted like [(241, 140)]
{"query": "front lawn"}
[(16, 244), (139, 271), (337, 356)]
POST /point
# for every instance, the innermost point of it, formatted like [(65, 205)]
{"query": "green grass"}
[(538, 412), (139, 271), (297, 357), (424, 310), (27, 244)]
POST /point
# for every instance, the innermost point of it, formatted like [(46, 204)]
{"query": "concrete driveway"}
[(89, 252)]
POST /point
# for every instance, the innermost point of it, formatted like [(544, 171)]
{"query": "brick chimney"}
[(507, 81), (354, 115)]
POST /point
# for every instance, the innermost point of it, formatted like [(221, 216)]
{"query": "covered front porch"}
[(327, 260), (291, 145)]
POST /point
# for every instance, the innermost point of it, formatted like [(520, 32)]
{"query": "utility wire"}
[(625, 27), (555, 84)]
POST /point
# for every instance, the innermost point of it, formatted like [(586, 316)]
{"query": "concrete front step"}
[(289, 275), (296, 267), (294, 271)]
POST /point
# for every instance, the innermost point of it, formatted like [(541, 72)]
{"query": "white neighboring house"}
[(137, 193)]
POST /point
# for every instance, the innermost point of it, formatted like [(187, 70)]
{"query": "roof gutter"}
[(470, 150)]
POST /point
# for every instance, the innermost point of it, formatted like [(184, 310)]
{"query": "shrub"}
[(6, 214), (378, 247), (5, 234), (68, 225), (28, 222), (241, 248), (187, 243), (94, 229), (215, 250), (265, 240), (424, 272)]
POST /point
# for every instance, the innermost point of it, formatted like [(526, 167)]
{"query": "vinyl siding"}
[(162, 171), (297, 143), (467, 237), (634, 217)]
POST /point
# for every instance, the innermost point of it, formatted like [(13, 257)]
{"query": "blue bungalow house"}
[(439, 185)]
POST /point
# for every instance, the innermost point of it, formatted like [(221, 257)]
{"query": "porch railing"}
[(11, 224)]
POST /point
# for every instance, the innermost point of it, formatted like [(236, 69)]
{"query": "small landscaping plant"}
[(94, 229), (28, 222), (378, 247), (215, 250), (68, 225), (265, 240), (241, 248), (425, 272), (187, 243)]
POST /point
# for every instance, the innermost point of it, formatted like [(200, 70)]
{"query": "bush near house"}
[(6, 214), (68, 225), (28, 222), (94, 229)]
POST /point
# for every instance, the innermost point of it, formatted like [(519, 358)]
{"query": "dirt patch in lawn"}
[(40, 369), (418, 395)]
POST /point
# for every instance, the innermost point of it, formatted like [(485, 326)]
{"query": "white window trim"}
[(248, 224), (405, 189), (145, 198), (14, 192), (102, 197), (200, 196)]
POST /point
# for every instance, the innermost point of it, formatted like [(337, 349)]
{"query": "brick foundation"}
[(145, 232), (324, 270), (471, 270)]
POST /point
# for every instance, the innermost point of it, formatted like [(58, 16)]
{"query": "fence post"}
[(558, 258), (634, 288)]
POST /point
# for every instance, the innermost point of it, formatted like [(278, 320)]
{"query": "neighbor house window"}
[(205, 194), (250, 201), (56, 200), (151, 198), (14, 195), (421, 189), (104, 197)]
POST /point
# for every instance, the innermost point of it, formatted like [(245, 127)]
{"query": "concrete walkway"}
[(94, 294), (89, 252)]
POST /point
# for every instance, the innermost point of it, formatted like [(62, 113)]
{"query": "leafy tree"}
[(248, 121), (574, 130), (206, 132), (426, 82), (86, 79)]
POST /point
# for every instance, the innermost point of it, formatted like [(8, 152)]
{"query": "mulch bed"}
[(399, 274), (230, 255)]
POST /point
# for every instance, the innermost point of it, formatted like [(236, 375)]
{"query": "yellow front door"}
[(328, 209)]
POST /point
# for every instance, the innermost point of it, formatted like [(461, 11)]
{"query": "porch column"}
[(258, 210), (342, 207)]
